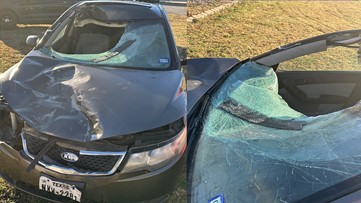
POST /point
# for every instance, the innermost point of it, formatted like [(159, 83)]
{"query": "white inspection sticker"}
[(163, 60)]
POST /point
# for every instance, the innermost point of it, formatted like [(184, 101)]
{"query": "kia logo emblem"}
[(67, 156)]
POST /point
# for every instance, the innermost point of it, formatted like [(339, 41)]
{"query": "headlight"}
[(159, 157)]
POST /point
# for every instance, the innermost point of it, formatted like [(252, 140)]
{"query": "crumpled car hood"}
[(85, 103)]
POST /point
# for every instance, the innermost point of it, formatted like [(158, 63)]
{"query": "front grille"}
[(34, 145), (95, 163)]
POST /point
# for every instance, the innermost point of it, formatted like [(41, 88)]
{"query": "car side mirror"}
[(182, 55), (184, 62), (32, 40)]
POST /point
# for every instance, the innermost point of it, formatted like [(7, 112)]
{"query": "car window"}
[(254, 147), (334, 59), (132, 43), (60, 36)]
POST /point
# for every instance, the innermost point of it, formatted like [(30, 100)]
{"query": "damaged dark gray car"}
[(98, 109), (259, 132)]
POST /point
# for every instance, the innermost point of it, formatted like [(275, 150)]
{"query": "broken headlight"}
[(10, 126), (155, 158)]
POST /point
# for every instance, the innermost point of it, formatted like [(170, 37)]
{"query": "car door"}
[(319, 75), (315, 92), (228, 159), (43, 11)]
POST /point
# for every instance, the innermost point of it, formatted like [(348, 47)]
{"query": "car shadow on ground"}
[(15, 38)]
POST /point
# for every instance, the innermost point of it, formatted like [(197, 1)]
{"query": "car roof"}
[(137, 3), (131, 9)]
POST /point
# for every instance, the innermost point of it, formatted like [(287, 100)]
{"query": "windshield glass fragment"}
[(255, 159)]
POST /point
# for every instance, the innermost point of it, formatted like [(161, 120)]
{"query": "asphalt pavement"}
[(178, 7)]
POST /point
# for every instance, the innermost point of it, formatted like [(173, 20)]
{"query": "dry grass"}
[(12, 50), (9, 194), (6, 192), (12, 44), (180, 193), (241, 31), (179, 27), (195, 8), (251, 28)]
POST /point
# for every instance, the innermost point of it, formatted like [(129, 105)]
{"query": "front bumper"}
[(151, 187)]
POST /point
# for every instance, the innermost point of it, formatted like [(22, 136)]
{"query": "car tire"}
[(8, 20)]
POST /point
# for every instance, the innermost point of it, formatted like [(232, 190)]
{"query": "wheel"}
[(8, 20)]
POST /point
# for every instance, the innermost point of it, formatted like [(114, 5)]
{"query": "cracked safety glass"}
[(93, 38), (254, 148)]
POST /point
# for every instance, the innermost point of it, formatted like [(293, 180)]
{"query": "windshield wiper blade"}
[(119, 50), (244, 113)]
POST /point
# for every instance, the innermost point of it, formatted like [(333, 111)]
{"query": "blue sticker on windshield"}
[(163, 60), (217, 199)]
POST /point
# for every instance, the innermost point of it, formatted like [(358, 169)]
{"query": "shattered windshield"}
[(90, 37), (255, 148)]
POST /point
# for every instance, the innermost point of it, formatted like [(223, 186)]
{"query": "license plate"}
[(59, 188)]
